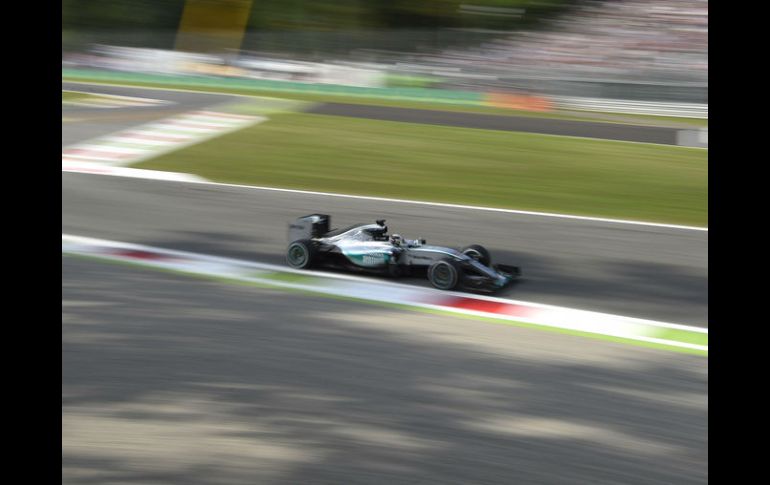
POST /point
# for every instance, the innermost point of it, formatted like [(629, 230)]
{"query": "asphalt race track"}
[(645, 272), (172, 379), (175, 380), (585, 129)]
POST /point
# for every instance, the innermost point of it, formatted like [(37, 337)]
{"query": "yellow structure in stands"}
[(210, 26)]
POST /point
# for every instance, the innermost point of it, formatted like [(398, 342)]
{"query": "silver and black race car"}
[(368, 247)]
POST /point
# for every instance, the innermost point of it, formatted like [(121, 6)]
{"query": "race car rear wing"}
[(306, 227)]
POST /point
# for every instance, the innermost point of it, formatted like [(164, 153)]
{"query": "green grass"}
[(635, 119), (622, 118), (683, 336), (77, 96), (68, 96), (457, 165)]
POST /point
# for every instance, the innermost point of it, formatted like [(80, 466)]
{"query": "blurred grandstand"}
[(647, 50), (631, 39), (624, 42)]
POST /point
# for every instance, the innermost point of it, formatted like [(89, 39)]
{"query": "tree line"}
[(316, 15)]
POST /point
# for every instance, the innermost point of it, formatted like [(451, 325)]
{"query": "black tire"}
[(479, 253), (445, 274), (301, 254), (395, 271)]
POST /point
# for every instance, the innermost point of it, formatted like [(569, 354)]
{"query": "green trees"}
[(315, 14), (307, 25)]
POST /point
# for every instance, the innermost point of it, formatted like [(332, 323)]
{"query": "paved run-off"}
[(147, 141), (630, 330)]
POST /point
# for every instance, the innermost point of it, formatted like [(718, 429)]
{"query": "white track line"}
[(451, 206), (80, 166), (459, 206)]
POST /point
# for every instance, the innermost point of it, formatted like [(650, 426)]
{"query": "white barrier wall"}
[(683, 110)]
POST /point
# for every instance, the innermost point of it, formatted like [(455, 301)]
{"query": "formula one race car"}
[(368, 247)]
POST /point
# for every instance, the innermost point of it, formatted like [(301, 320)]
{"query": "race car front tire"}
[(479, 253), (301, 254), (445, 274)]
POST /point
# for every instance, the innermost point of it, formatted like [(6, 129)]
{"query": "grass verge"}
[(74, 96), (457, 165)]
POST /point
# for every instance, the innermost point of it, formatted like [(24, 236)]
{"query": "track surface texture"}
[(173, 380), (586, 129), (88, 123), (638, 271)]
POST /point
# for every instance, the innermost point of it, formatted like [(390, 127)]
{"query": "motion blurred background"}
[(594, 109), (654, 50)]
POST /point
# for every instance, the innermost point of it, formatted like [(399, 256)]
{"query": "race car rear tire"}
[(301, 254), (445, 274), (395, 271), (479, 253)]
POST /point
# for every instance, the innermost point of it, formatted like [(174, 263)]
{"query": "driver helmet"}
[(396, 239)]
